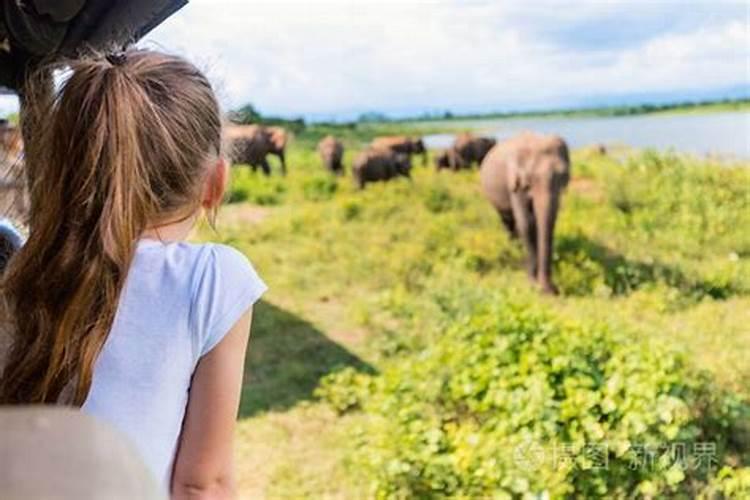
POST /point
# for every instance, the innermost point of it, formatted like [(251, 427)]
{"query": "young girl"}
[(107, 307)]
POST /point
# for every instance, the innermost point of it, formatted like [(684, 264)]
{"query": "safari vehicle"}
[(36, 31)]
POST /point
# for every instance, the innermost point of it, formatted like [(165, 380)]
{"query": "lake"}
[(724, 134)]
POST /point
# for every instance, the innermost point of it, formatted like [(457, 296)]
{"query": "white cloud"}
[(338, 57), (344, 57)]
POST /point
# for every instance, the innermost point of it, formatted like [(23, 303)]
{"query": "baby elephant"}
[(523, 178), (450, 159), (472, 149), (380, 165), (331, 153)]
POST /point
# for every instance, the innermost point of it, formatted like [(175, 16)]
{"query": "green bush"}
[(319, 188), (438, 199), (729, 483), (511, 402), (238, 194), (255, 188)]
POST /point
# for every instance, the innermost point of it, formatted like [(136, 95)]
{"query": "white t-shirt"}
[(179, 301)]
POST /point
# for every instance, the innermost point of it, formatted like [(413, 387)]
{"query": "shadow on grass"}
[(286, 358), (581, 262)]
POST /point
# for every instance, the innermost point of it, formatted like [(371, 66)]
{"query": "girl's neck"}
[(171, 231)]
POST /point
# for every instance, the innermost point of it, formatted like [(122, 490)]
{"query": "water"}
[(723, 134)]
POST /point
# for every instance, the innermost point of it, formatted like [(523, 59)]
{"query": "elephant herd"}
[(522, 177)]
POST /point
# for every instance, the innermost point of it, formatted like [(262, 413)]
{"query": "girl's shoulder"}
[(215, 282), (226, 267), (205, 262), (183, 253)]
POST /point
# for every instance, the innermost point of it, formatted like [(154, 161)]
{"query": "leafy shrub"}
[(255, 188), (350, 210), (319, 188), (491, 407), (439, 199), (729, 483), (238, 194)]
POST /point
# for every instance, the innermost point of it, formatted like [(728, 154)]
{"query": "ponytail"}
[(123, 144)]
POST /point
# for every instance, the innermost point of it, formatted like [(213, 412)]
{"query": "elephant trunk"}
[(545, 211)]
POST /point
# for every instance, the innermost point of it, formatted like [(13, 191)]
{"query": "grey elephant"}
[(472, 149), (523, 178), (251, 144), (402, 144), (331, 153), (379, 165)]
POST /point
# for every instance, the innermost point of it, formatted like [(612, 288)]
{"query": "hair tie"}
[(116, 58)]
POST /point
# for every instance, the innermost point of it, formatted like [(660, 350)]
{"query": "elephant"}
[(251, 144), (402, 144), (523, 178), (472, 149), (380, 165), (331, 153), (449, 159)]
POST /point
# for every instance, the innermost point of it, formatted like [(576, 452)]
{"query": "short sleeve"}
[(225, 289)]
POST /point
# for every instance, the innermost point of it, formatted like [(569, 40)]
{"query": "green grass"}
[(650, 246)]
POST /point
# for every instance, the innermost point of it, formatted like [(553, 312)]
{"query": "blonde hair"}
[(123, 143)]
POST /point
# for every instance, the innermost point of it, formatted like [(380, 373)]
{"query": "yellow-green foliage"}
[(648, 343)]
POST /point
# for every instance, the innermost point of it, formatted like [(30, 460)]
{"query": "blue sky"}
[(331, 58)]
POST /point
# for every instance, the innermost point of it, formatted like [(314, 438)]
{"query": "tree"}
[(247, 114)]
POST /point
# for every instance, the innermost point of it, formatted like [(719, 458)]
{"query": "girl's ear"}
[(216, 184)]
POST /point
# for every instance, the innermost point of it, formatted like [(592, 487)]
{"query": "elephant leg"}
[(506, 217), (282, 158), (526, 228), (265, 166), (546, 205)]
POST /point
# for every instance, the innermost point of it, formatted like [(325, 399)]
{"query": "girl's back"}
[(105, 306), (179, 301)]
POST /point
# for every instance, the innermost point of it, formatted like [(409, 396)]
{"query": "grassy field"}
[(653, 247)]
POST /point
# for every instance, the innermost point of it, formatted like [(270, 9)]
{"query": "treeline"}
[(249, 114), (605, 111), (353, 132)]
